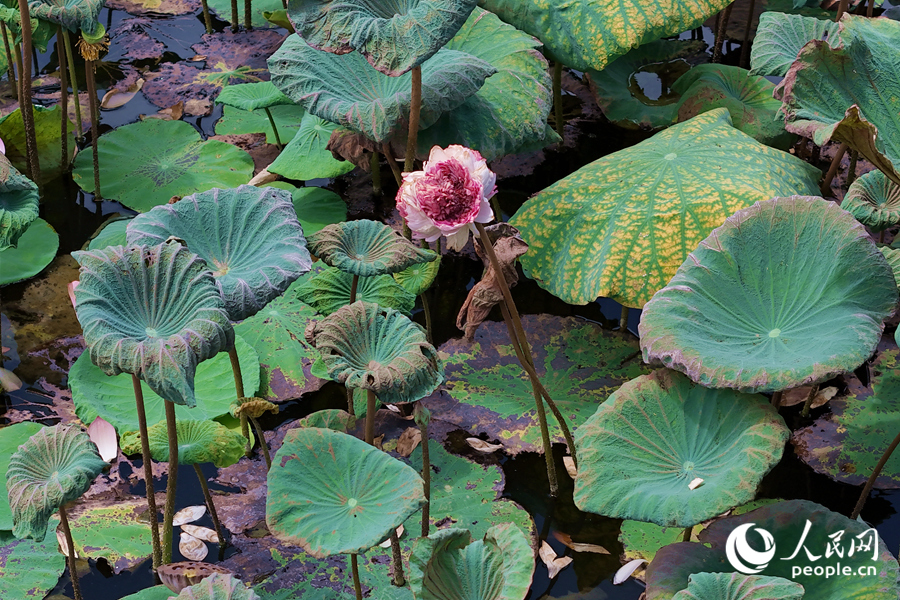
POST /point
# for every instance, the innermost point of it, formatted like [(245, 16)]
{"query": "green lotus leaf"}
[(111, 233), (250, 237), (825, 99), (449, 565), (738, 315), (157, 592), (618, 90), (55, 466), (152, 311), (218, 586), (35, 249), (330, 418), (488, 392), (373, 348), (116, 531), (29, 570), (198, 442), (96, 394), (780, 37), (48, 137), (366, 248), (734, 586), (252, 407), (747, 97), (11, 438), (591, 33), (509, 113), (250, 96), (346, 90), (306, 157), (331, 493), (329, 290), (74, 15), (394, 37), (621, 226), (892, 256), (144, 164), (287, 119), (417, 278), (315, 207), (222, 9), (874, 200), (636, 462), (19, 200), (279, 18), (785, 521)]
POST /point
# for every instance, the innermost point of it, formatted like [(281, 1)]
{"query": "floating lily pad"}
[(366, 248), (825, 99), (35, 249), (48, 134), (74, 15), (874, 200), (785, 522), (346, 90), (237, 121), (394, 38), (96, 394), (29, 569), (642, 448), (10, 439), (306, 156), (19, 202), (621, 226), (251, 96), (417, 278), (116, 532), (329, 289), (734, 586), (780, 37), (331, 493), (578, 362), (738, 315), (249, 237), (144, 164), (198, 442), (315, 207)]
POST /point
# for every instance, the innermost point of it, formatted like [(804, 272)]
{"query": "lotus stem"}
[(10, 59), (426, 478), (207, 20), (351, 409), (557, 97), (686, 536), (370, 417), (881, 236), (63, 101), (148, 471), (248, 15), (851, 171), (209, 504), (745, 45), (525, 351), (70, 58), (414, 108), (354, 285), (721, 27), (34, 166), (375, 168), (825, 186), (842, 8), (234, 16), (871, 482), (623, 320), (354, 568), (870, 9), (239, 389), (272, 122), (398, 176), (262, 442), (70, 557), (809, 399), (95, 118), (428, 325), (399, 579), (776, 400), (18, 55), (171, 486)]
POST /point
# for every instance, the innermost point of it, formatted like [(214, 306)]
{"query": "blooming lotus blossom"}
[(448, 195)]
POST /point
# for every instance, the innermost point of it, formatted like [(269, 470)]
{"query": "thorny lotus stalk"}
[(399, 578), (148, 471), (354, 567), (375, 167), (239, 389), (809, 399), (874, 476), (25, 105), (422, 417), (248, 20), (169, 515), (209, 504), (63, 100), (9, 54), (414, 108), (392, 162), (70, 58), (234, 16), (70, 557), (370, 417), (207, 20), (95, 117), (262, 442), (721, 27), (269, 115)]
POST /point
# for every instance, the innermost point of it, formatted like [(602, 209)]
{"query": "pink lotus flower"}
[(448, 195)]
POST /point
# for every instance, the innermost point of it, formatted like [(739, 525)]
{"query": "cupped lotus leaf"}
[(19, 202), (306, 156), (111, 233), (117, 531), (394, 37), (152, 311), (366, 248), (659, 432), (825, 99), (785, 521), (315, 207), (487, 391), (218, 586), (252, 407), (738, 314), (35, 249), (11, 438), (618, 90), (591, 33), (747, 97), (198, 442), (621, 226), (330, 418), (417, 278), (329, 290), (874, 200), (331, 493), (450, 565), (29, 570), (249, 237), (144, 164), (55, 466), (735, 586), (287, 119), (509, 113), (374, 348), (780, 37), (48, 137), (347, 91), (250, 96), (74, 15)]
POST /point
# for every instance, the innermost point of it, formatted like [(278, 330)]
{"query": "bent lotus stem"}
[(63, 101), (209, 504), (9, 54), (414, 108), (269, 114), (721, 27), (70, 59), (825, 187), (207, 19), (557, 99), (70, 556), (392, 162), (234, 16), (148, 471), (239, 389), (172, 484), (95, 118), (809, 399), (354, 568), (375, 167), (25, 105), (875, 473), (262, 442)]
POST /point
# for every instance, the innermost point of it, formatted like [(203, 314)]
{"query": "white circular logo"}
[(744, 558)]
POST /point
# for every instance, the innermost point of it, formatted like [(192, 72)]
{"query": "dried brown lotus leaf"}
[(554, 564), (192, 548), (252, 407), (483, 446), (408, 441), (201, 533)]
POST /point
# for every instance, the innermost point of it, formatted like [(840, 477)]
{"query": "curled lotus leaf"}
[(874, 200), (331, 493), (393, 36), (152, 311), (198, 442), (330, 289), (779, 38), (735, 586), (366, 248), (621, 226), (250, 238), (737, 314), (659, 432), (450, 565), (251, 96), (71, 14), (55, 466), (11, 437), (19, 201), (252, 407), (373, 348), (218, 586), (824, 98), (347, 91), (417, 278)]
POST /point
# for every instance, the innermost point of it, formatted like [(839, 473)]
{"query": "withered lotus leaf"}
[(252, 407)]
